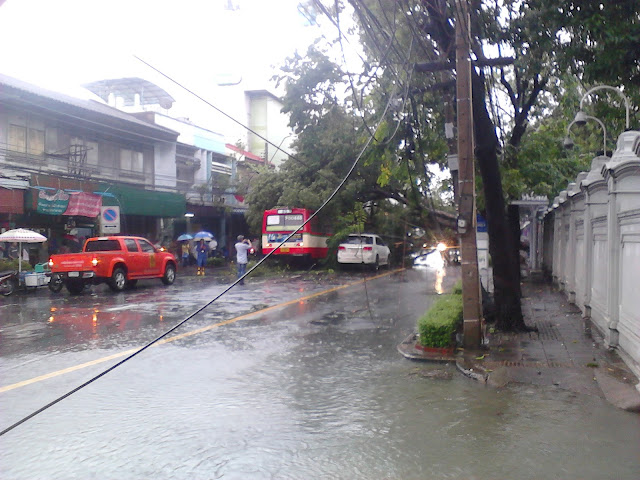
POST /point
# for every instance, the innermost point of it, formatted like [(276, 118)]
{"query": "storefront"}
[(67, 211), (11, 201)]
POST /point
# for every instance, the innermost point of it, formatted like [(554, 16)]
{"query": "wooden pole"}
[(466, 183)]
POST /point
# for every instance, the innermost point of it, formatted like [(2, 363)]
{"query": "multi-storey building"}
[(53, 146)]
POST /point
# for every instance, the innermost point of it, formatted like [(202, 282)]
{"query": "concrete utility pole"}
[(466, 183)]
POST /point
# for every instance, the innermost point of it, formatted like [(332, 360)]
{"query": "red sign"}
[(84, 204)]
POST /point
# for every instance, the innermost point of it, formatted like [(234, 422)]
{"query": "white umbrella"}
[(21, 235)]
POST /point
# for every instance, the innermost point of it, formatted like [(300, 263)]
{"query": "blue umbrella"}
[(184, 236), (203, 234)]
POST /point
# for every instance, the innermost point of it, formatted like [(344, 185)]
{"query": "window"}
[(103, 246), (35, 141), (92, 153), (146, 246), (131, 160), (358, 239), (131, 244), (17, 138)]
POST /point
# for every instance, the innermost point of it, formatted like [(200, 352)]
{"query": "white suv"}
[(364, 248)]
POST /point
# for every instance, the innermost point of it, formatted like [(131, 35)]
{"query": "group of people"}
[(243, 246), (10, 251)]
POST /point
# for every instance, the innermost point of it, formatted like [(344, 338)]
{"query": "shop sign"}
[(84, 204), (55, 204)]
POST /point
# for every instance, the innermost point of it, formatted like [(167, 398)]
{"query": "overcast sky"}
[(61, 44)]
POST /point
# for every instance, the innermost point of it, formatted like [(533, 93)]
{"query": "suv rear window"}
[(103, 246), (357, 239)]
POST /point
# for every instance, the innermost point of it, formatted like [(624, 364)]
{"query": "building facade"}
[(56, 149)]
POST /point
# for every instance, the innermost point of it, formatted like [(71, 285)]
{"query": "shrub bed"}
[(438, 326), (6, 264)]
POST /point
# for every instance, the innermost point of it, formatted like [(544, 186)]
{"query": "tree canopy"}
[(532, 63)]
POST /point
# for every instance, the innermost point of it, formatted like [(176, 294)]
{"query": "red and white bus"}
[(310, 241)]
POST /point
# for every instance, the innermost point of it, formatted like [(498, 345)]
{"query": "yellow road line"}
[(188, 334)]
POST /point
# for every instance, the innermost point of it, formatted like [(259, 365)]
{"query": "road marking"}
[(246, 316)]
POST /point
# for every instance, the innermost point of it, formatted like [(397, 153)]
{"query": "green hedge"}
[(6, 264), (216, 262), (438, 326)]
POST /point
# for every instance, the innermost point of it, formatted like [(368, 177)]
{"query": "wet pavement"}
[(565, 352), (286, 378)]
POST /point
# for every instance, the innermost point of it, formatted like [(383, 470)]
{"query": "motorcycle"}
[(9, 281)]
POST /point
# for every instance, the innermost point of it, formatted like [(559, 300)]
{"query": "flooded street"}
[(312, 389)]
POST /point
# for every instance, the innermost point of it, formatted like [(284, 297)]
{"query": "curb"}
[(409, 350)]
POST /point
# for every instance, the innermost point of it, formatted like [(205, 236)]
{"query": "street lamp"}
[(580, 116), (581, 119), (278, 147)]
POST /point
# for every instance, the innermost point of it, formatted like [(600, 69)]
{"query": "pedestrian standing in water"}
[(242, 247), (202, 251)]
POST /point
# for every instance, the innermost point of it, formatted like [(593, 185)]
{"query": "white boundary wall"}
[(593, 252)]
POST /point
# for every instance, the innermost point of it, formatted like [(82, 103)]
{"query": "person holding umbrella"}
[(202, 251)]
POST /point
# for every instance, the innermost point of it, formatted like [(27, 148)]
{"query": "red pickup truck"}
[(118, 260)]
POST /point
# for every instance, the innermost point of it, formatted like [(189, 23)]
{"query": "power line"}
[(193, 314), (278, 147)]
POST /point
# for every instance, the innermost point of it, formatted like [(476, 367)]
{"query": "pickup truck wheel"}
[(118, 280), (75, 287), (169, 274)]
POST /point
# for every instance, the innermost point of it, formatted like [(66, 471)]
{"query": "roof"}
[(262, 93), (127, 88), (249, 155), (12, 92)]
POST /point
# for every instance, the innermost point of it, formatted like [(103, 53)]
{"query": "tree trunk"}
[(505, 264)]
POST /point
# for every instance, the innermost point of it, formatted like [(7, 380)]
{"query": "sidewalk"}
[(564, 353)]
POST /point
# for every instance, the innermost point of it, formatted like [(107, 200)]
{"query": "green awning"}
[(135, 201)]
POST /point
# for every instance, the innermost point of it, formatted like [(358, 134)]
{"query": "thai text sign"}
[(55, 204)]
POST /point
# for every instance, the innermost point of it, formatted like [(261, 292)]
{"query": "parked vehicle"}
[(118, 261), (366, 248), (8, 282)]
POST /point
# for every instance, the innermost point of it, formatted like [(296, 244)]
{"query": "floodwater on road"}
[(315, 389)]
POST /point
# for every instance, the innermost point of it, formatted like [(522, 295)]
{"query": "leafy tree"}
[(330, 134), (545, 39)]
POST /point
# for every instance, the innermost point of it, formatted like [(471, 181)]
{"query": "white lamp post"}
[(603, 87)]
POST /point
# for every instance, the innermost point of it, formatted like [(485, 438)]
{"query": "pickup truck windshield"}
[(102, 246)]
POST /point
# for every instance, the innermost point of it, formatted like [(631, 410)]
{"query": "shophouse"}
[(62, 159)]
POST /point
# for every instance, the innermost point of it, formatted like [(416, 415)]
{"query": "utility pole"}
[(466, 183)]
